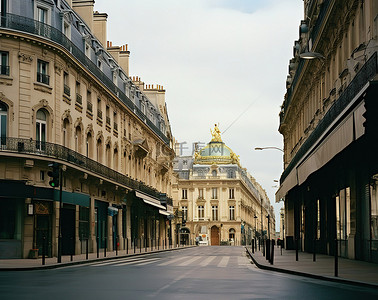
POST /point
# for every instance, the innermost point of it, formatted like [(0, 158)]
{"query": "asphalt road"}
[(195, 273)]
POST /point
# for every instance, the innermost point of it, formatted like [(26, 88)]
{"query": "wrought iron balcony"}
[(23, 24), (43, 78), (89, 106), (67, 90), (108, 120), (99, 113), (79, 100), (64, 154), (4, 70)]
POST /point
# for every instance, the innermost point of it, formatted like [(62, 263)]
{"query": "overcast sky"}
[(219, 61)]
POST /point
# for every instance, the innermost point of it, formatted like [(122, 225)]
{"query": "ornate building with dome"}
[(217, 202)]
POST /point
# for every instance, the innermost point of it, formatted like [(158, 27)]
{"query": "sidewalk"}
[(349, 271), (51, 262)]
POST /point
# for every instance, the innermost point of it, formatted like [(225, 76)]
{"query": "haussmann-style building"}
[(217, 201), (68, 106), (329, 124)]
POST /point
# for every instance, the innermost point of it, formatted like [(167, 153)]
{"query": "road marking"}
[(149, 262), (114, 261), (188, 262), (172, 261), (224, 262), (135, 262), (207, 261)]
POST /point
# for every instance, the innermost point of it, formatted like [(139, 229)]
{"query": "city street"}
[(195, 273)]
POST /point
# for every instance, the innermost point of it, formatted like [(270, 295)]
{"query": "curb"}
[(320, 277), (89, 261)]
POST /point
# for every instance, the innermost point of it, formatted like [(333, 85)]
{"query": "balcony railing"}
[(28, 25), (89, 106), (366, 73), (79, 100), (99, 113), (43, 78), (67, 90), (115, 126), (64, 154), (4, 70), (108, 120)]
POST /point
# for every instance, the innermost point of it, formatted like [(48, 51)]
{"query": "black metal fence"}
[(55, 151)]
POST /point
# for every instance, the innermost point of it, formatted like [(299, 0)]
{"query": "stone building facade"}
[(218, 200), (66, 97), (328, 122)]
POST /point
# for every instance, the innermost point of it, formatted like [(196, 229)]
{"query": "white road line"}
[(188, 262), (114, 261), (224, 262), (207, 261), (173, 261), (149, 262), (242, 261), (135, 262)]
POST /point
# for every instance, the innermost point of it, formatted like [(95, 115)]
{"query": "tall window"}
[(99, 150), (66, 128), (374, 212), (232, 193), (343, 214), (66, 85), (3, 123), (184, 194), (232, 212), (89, 145), (185, 212), (201, 212), (214, 193), (200, 193), (42, 72), (231, 234), (42, 14), (4, 63), (40, 136), (78, 139), (214, 212)]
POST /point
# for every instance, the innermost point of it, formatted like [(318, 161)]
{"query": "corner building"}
[(329, 125), (219, 200), (66, 97)]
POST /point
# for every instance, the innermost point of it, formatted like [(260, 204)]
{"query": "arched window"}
[(66, 132), (99, 150), (78, 139), (89, 143), (214, 173), (115, 159), (108, 155), (3, 123), (231, 234), (41, 123)]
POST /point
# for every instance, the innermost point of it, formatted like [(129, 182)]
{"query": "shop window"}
[(374, 213), (83, 223)]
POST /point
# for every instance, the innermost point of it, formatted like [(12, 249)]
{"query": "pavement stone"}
[(349, 271)]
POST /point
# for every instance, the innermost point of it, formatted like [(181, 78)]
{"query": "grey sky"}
[(215, 58)]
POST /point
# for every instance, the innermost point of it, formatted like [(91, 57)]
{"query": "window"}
[(200, 193), (232, 212), (185, 212), (40, 137), (89, 145), (343, 214), (4, 63), (214, 193), (214, 212), (99, 64), (66, 86), (79, 99), (374, 212), (107, 111), (231, 193), (42, 72), (87, 50), (67, 30), (99, 111), (214, 173), (42, 14), (184, 194), (83, 222), (3, 123), (201, 212), (115, 121)]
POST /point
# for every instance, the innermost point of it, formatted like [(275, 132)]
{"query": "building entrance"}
[(214, 236)]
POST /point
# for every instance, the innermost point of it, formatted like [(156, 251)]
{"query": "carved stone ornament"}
[(25, 57)]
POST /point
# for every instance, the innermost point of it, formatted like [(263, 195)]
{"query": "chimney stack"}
[(85, 9), (99, 26)]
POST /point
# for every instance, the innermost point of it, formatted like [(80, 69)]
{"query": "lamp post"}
[(263, 148)]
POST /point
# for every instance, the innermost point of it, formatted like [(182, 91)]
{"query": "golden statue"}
[(216, 133)]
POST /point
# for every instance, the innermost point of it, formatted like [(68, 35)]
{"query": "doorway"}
[(214, 236), (68, 230)]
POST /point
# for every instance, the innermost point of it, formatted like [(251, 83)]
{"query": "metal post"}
[(134, 244), (145, 244), (116, 243), (140, 245), (43, 250), (272, 254), (74, 248), (282, 242), (314, 251), (267, 252), (263, 247), (106, 244), (86, 248), (296, 249), (253, 246), (60, 216), (336, 260), (158, 243), (259, 243), (127, 246), (98, 245)]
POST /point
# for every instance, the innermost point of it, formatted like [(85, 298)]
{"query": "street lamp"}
[(311, 55), (263, 148)]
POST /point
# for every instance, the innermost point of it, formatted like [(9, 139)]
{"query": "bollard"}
[(43, 250), (127, 246), (281, 246), (336, 260), (267, 252), (263, 247), (134, 245), (272, 254), (124, 243), (86, 248), (74, 248), (296, 249), (158, 243), (259, 243), (145, 245), (98, 247), (106, 244), (314, 251), (140, 245), (253, 246)]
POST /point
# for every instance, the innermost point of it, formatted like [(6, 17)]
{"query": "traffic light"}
[(54, 174)]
